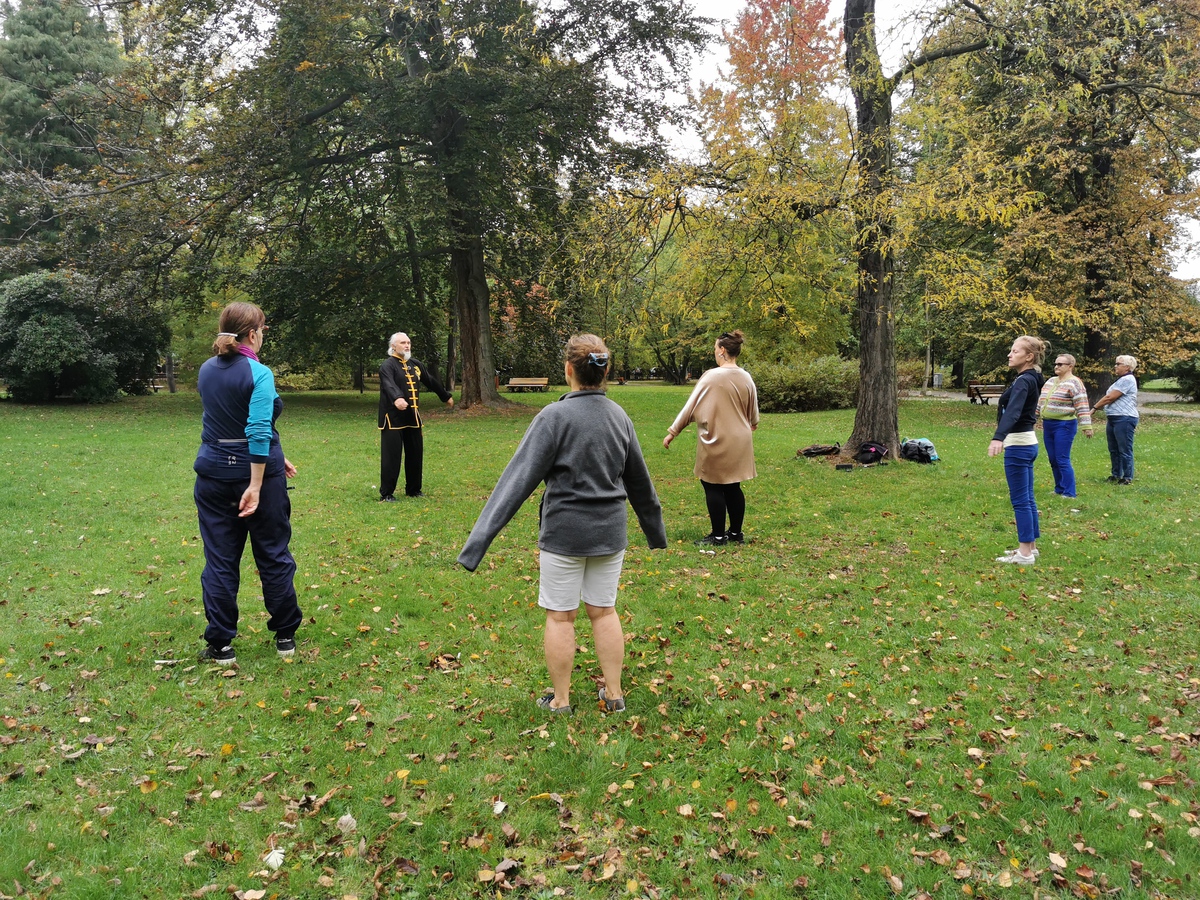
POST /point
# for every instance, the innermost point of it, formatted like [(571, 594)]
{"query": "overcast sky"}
[(894, 40)]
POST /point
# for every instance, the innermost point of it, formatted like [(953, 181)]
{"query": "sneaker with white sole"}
[(1017, 559), (1036, 552), (285, 646), (218, 656)]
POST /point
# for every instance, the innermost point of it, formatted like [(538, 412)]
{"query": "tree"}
[(1081, 132), (473, 118), (62, 337), (58, 110)]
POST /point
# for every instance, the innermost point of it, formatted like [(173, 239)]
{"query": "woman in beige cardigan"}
[(724, 406)]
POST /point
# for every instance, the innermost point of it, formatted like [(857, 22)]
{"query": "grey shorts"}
[(565, 580)]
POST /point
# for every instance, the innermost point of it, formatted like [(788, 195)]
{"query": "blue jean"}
[(1059, 436), (1120, 444), (1018, 470)]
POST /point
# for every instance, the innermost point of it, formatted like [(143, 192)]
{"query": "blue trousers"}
[(1120, 444), (224, 534), (1059, 435), (1018, 470)]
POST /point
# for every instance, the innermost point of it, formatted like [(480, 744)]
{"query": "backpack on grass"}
[(870, 452), (918, 450)]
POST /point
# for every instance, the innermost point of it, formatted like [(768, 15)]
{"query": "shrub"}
[(910, 374), (60, 337), (827, 382), (328, 377), (1187, 373)]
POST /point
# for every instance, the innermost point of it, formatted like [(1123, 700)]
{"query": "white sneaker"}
[(1017, 559), (1036, 552)]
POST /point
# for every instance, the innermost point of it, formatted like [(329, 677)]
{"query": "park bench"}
[(978, 392), (528, 384)]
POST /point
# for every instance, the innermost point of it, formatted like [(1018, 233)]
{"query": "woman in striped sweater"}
[(1063, 408)]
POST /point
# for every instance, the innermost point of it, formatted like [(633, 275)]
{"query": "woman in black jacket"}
[(1016, 440)]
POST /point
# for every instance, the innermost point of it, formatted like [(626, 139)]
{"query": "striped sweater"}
[(1065, 398)]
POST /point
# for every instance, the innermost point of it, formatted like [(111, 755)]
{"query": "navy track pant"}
[(224, 535)]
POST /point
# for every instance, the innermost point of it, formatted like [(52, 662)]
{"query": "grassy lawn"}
[(858, 703)]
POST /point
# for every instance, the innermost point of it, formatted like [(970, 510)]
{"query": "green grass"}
[(859, 693)]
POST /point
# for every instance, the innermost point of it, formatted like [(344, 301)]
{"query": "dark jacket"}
[(238, 426), (1017, 409), (398, 378), (585, 448)]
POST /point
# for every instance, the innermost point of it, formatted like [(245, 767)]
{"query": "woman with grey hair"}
[(1121, 401)]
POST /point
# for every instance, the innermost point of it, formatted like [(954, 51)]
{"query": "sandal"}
[(544, 703), (617, 705)]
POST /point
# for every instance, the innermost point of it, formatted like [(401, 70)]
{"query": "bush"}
[(827, 382), (910, 374), (60, 337), (329, 377), (1187, 373)]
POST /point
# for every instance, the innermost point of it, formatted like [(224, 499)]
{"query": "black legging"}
[(722, 497)]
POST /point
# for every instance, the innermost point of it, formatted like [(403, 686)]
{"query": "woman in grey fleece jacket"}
[(586, 450)]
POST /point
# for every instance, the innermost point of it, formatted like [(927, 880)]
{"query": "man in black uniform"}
[(400, 419)]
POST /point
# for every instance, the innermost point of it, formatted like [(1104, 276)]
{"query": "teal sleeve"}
[(262, 407)]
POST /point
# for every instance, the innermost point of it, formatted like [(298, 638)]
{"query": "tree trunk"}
[(170, 367), (473, 300), (878, 412), (451, 347), (430, 354)]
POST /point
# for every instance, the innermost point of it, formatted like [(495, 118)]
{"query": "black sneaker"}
[(285, 646), (735, 537), (388, 499), (218, 656), (1112, 479), (417, 496), (713, 540), (1124, 481)]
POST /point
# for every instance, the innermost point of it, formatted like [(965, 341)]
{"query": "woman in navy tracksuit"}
[(241, 486)]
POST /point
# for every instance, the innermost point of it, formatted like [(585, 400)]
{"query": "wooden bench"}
[(978, 392), (528, 384)]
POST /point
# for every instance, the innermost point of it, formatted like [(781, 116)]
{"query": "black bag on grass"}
[(870, 452), (820, 450)]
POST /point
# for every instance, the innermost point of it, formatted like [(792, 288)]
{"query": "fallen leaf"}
[(686, 811), (347, 824)]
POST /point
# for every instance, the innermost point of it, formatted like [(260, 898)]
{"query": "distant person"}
[(1121, 403), (585, 449), (1064, 409), (724, 406), (400, 423), (241, 486), (1016, 415)]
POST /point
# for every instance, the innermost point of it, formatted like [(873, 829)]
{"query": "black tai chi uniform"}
[(400, 429)]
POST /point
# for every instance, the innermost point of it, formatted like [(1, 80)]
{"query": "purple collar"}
[(247, 351)]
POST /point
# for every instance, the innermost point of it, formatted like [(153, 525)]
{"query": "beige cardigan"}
[(724, 406)]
